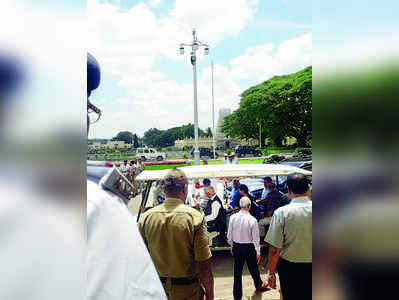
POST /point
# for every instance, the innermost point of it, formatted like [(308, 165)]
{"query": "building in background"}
[(221, 139), (189, 142)]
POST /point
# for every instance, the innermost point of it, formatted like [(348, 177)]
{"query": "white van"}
[(150, 154)]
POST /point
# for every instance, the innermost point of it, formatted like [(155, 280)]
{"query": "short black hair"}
[(244, 188), (268, 179), (297, 183), (206, 181)]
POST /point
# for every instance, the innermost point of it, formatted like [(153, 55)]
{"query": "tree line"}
[(159, 138), (282, 106)]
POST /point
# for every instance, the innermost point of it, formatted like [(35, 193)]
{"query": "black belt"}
[(180, 281)]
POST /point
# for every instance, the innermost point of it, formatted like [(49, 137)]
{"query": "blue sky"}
[(146, 83)]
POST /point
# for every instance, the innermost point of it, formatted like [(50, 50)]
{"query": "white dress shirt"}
[(124, 168), (119, 265), (264, 193), (215, 210), (243, 229)]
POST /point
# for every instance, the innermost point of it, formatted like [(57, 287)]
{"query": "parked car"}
[(150, 154), (245, 151), (205, 153)]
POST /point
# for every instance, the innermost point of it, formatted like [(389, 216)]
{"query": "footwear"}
[(263, 288)]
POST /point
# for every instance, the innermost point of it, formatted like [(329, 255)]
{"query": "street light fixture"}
[(195, 45)]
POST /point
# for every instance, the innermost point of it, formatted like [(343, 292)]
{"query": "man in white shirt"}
[(290, 239), (214, 215), (124, 168), (118, 263), (243, 236), (225, 160), (234, 159)]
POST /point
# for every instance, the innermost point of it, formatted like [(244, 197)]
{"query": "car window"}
[(146, 151), (152, 151), (140, 150)]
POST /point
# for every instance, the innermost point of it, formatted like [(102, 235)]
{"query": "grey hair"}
[(210, 189), (245, 202)]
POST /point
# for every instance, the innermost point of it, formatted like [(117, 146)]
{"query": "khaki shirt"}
[(291, 230), (175, 237)]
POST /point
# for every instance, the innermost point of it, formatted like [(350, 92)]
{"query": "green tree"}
[(136, 143), (125, 136), (283, 106), (208, 132), (150, 135)]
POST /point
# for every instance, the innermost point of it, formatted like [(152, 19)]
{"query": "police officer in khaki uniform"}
[(175, 237)]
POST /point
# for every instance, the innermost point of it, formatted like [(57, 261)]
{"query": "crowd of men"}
[(131, 171), (274, 219), (230, 159)]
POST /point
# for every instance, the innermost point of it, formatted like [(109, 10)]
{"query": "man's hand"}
[(271, 281), (231, 251), (258, 258)]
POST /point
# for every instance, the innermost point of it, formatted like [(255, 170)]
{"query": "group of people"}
[(230, 159), (131, 171), (270, 219)]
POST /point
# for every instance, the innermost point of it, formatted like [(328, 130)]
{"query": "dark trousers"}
[(295, 280), (244, 253)]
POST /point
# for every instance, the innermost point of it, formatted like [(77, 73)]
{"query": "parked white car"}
[(150, 154)]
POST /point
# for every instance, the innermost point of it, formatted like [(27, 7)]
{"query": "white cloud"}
[(128, 43), (260, 63), (154, 2)]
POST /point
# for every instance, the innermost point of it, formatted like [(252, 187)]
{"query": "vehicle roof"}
[(218, 171)]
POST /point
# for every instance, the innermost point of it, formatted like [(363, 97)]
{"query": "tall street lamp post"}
[(195, 45)]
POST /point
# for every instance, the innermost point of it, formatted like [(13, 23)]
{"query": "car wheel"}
[(159, 158), (143, 158)]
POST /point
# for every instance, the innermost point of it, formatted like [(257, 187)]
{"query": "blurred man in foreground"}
[(290, 239), (119, 266), (175, 237)]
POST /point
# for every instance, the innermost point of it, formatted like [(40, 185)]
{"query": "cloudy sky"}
[(147, 83)]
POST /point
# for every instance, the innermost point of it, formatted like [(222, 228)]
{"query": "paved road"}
[(222, 263)]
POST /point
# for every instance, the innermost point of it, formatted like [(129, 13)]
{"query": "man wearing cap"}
[(175, 237), (118, 263)]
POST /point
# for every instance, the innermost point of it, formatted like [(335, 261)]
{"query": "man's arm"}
[(214, 212), (205, 275), (230, 232), (256, 239)]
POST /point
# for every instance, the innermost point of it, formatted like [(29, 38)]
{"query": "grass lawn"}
[(164, 167), (210, 162)]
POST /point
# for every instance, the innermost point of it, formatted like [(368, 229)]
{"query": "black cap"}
[(11, 73), (93, 74)]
